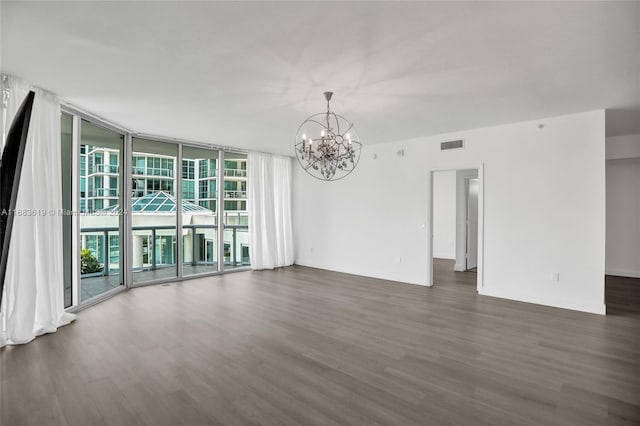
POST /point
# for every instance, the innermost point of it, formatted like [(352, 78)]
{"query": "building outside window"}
[(188, 169), (155, 173)]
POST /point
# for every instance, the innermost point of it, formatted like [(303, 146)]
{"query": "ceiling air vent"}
[(451, 145)]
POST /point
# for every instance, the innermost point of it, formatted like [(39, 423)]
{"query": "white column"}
[(187, 246), (136, 251)]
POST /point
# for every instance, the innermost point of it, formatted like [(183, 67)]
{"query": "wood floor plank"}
[(303, 346)]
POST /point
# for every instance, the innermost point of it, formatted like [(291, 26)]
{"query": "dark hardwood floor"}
[(301, 346)]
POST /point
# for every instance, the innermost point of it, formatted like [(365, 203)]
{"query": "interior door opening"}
[(456, 239)]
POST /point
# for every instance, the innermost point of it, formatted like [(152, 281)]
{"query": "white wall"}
[(627, 146), (444, 214), (544, 210), (623, 217)]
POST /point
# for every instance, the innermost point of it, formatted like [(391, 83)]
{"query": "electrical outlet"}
[(555, 276)]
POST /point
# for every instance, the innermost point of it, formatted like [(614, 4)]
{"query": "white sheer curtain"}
[(33, 302), (269, 202)]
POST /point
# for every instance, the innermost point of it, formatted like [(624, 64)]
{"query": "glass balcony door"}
[(100, 195), (236, 215), (199, 211), (154, 208), (186, 209)]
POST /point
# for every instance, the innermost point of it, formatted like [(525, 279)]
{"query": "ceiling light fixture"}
[(334, 152)]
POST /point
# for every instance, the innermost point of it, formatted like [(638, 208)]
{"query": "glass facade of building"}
[(155, 173)]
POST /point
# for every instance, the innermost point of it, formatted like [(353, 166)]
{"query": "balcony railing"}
[(203, 174), (103, 192), (235, 194), (151, 171), (233, 254), (104, 168), (235, 172)]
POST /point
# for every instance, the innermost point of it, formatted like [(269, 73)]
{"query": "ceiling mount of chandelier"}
[(327, 145)]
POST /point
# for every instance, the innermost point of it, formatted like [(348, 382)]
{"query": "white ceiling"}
[(246, 74)]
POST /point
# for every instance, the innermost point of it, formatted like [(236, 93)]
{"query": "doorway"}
[(456, 236)]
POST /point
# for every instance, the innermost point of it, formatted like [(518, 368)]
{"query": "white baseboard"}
[(350, 271), (622, 272), (459, 268), (574, 305)]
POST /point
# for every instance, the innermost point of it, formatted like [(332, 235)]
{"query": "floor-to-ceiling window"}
[(236, 218), (199, 211), (186, 216), (101, 154), (154, 210)]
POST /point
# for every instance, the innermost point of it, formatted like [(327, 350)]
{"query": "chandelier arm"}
[(311, 164), (314, 121), (350, 127)]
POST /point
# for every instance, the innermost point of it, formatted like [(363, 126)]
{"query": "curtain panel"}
[(270, 217), (33, 302)]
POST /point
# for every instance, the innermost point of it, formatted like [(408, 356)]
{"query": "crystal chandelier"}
[(327, 145)]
